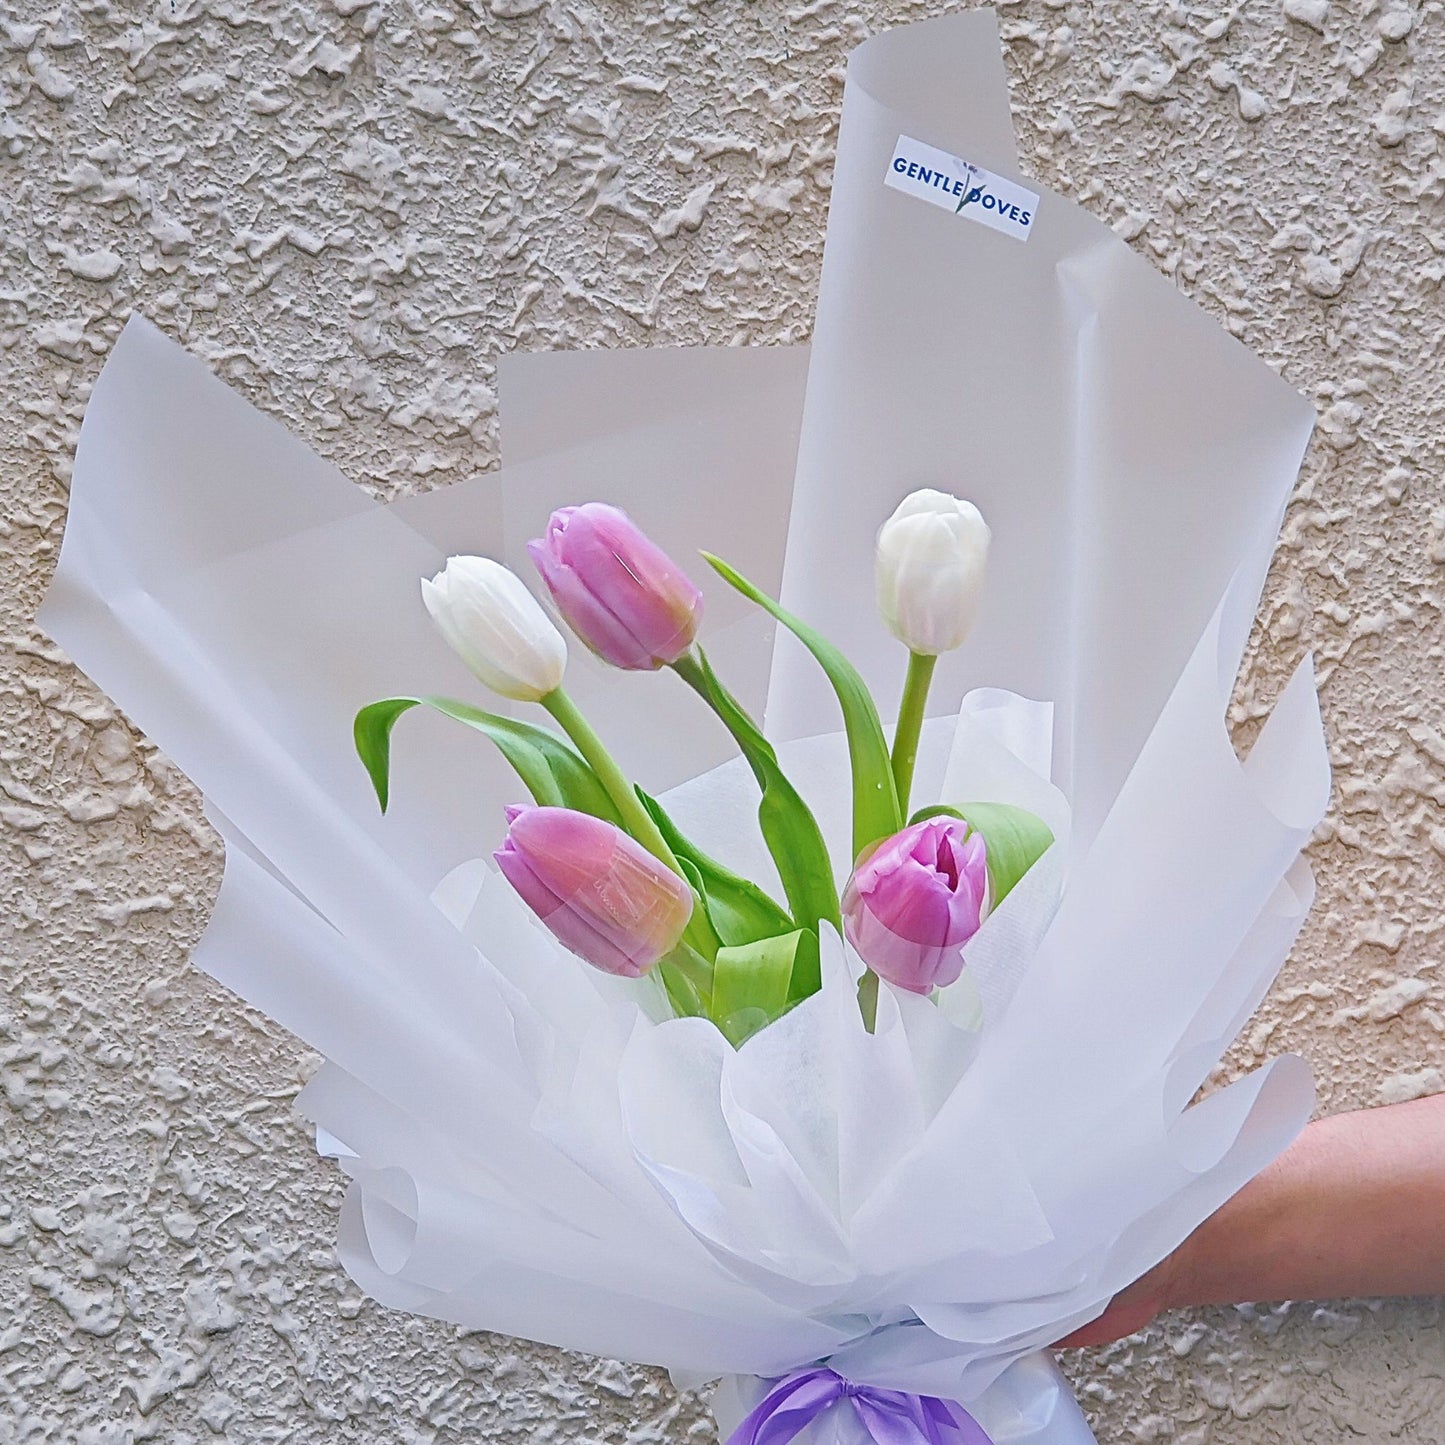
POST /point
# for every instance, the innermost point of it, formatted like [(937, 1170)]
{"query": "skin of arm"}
[(1356, 1206)]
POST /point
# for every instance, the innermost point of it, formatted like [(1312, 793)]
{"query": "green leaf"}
[(876, 813), (751, 984), (687, 981), (807, 976), (682, 996), (554, 772), (740, 911), (789, 828), (1015, 838), (937, 810)]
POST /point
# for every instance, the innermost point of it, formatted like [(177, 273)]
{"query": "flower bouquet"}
[(849, 1070)]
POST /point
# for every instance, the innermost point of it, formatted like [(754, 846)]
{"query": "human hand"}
[(1132, 1308), (1355, 1207)]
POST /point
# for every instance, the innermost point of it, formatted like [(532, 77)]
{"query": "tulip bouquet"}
[(603, 866), (760, 1070)]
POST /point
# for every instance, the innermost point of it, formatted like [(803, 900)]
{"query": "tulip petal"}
[(571, 928), (599, 892), (487, 616), (620, 592), (931, 559), (1015, 839), (587, 616), (915, 901)]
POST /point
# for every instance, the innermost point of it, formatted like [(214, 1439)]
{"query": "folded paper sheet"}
[(532, 1150)]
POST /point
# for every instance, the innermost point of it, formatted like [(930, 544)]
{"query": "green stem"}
[(635, 818), (910, 724), (689, 669)]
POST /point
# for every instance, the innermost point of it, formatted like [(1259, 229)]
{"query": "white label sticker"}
[(967, 190)]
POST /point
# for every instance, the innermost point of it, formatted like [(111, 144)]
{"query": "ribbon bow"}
[(891, 1417)]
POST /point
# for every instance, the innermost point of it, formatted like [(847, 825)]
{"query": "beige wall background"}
[(349, 208)]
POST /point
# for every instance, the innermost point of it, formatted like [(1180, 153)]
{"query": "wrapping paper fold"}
[(536, 1149)]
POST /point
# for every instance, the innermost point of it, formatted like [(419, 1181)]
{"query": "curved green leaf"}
[(807, 976), (1015, 838), (789, 828), (553, 771), (876, 813), (687, 979), (936, 810), (740, 911), (751, 984)]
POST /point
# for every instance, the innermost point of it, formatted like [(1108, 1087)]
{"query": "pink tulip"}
[(602, 895), (620, 593), (915, 901)]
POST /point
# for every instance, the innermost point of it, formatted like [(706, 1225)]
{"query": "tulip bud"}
[(497, 627), (620, 593), (602, 895), (930, 567), (915, 901)]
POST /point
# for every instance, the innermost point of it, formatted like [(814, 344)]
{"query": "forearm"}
[(1355, 1207)]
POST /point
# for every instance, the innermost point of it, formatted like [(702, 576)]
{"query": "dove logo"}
[(967, 190)]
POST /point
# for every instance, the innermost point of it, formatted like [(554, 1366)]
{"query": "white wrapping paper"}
[(536, 1149)]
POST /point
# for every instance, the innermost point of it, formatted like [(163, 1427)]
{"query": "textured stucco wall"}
[(349, 207)]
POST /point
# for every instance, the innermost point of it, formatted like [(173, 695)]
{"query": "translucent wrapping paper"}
[(537, 1149)]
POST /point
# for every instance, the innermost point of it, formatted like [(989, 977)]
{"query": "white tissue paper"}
[(537, 1149)]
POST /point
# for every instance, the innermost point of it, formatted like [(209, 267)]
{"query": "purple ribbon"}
[(890, 1417)]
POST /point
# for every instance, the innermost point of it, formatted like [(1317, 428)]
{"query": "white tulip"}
[(496, 627), (931, 557)]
